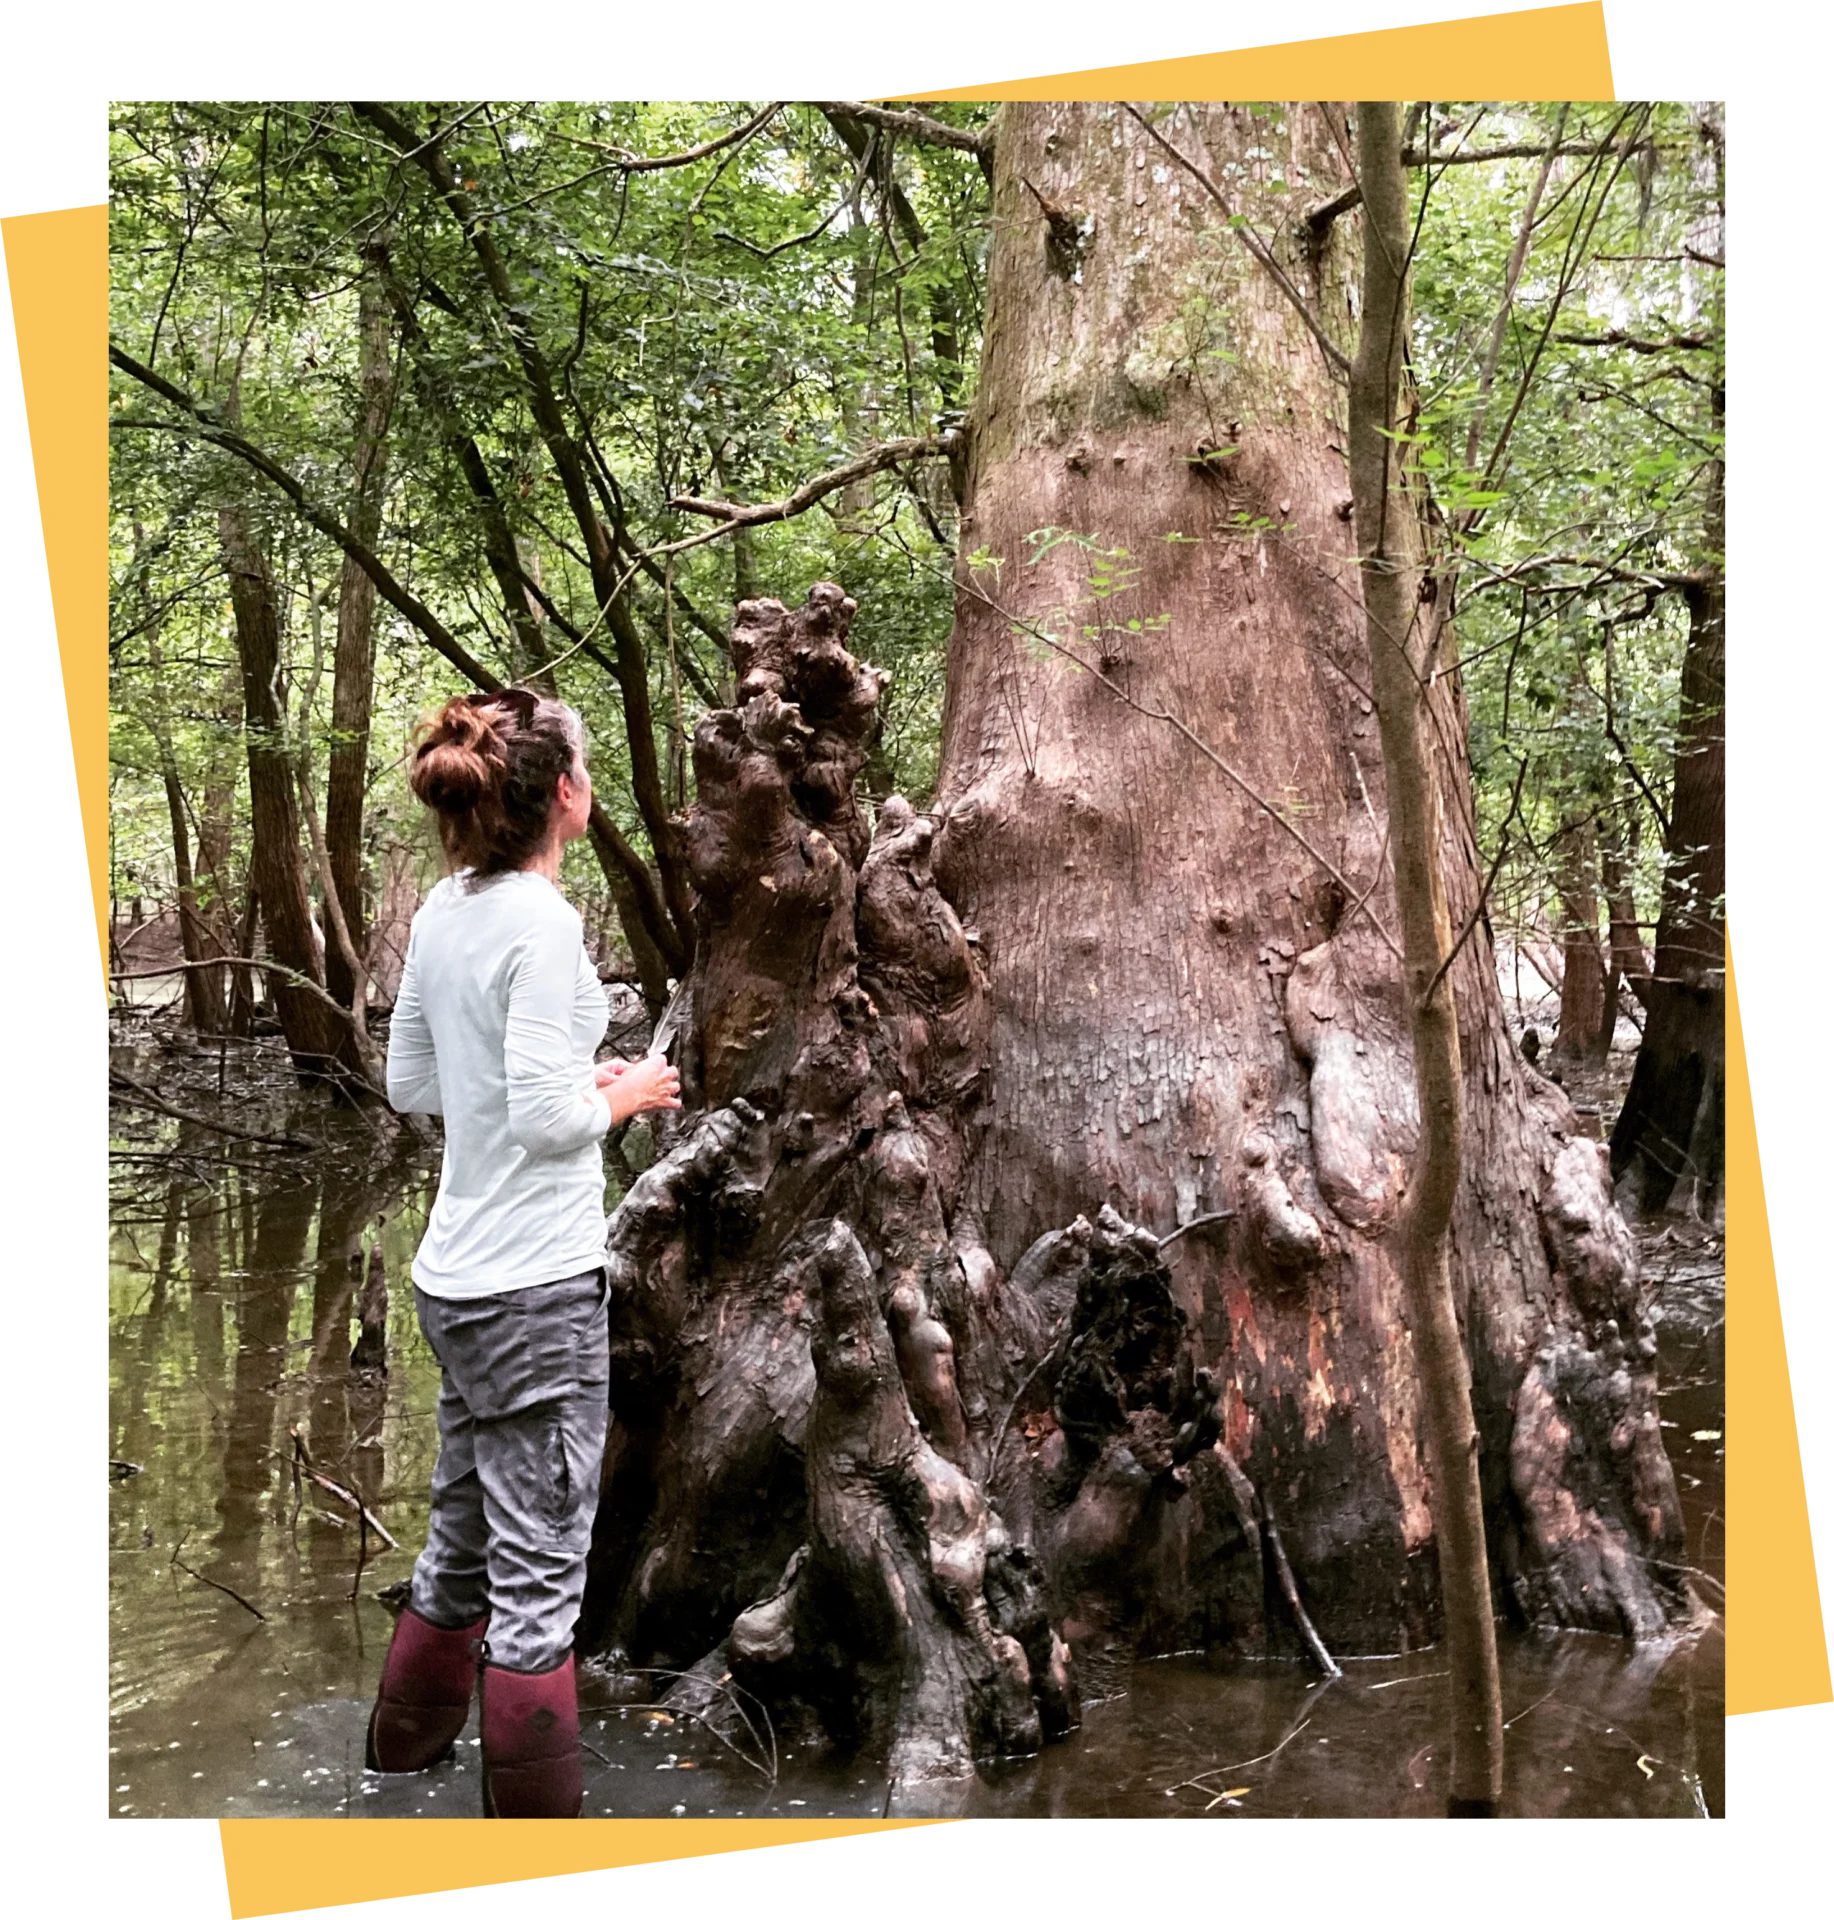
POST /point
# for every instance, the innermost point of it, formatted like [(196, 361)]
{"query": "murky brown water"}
[(233, 1299)]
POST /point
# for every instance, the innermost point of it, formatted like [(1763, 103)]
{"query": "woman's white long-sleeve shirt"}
[(495, 1027)]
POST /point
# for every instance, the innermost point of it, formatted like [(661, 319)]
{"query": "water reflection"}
[(237, 1297)]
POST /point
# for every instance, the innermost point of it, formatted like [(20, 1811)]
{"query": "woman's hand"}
[(607, 1071), (639, 1086)]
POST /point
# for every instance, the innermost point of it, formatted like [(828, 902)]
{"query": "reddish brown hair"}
[(488, 766)]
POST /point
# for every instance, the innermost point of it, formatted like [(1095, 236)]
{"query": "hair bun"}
[(491, 771), (457, 760)]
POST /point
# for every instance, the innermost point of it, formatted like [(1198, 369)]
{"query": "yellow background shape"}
[(280, 1866), (58, 267), (1550, 53), (1776, 1653)]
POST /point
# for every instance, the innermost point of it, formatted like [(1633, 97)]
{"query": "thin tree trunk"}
[(572, 468), (314, 1035), (242, 983), (860, 409), (203, 988), (744, 551), (216, 820), (353, 675), (645, 935), (945, 323), (203, 991), (342, 942), (1389, 539), (201, 1003), (1583, 1034), (387, 951), (1629, 962)]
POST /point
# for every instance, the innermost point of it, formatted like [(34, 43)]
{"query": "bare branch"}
[(247, 1606), (1321, 216), (892, 453), (1483, 898), (138, 1096), (919, 126), (627, 163), (1617, 337), (624, 161)]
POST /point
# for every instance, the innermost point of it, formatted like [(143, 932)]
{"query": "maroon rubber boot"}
[(531, 1744), (425, 1693)]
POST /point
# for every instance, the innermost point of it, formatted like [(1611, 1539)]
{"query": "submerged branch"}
[(140, 1096), (248, 1606)]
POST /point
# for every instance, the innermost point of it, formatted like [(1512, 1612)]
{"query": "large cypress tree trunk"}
[(1187, 1013), (1028, 1286)]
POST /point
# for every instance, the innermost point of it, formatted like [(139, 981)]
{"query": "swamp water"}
[(246, 1637)]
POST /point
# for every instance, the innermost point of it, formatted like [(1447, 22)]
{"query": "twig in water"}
[(1407, 1680), (247, 1605), (725, 1681), (1236, 1766), (137, 1095), (303, 1464), (1526, 1711)]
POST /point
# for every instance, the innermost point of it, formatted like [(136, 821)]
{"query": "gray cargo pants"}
[(523, 1398)]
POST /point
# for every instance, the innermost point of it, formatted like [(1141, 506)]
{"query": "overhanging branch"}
[(918, 126), (735, 514)]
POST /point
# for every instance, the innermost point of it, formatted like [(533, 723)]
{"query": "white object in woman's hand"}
[(642, 1086)]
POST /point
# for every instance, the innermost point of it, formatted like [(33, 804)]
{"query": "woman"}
[(496, 1025)]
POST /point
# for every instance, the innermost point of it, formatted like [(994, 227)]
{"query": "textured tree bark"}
[(1402, 645), (1103, 1069), (354, 669), (1187, 1011)]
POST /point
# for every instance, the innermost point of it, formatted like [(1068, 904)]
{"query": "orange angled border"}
[(57, 264), (1550, 53), (1776, 1651)]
